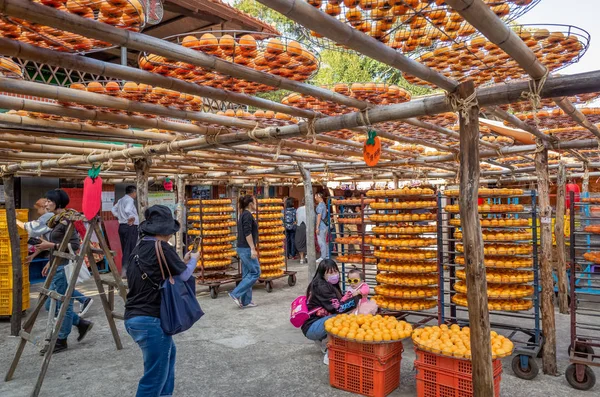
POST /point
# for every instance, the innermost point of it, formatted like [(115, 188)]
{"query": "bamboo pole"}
[(343, 34), (180, 244), (390, 152), (504, 115), (559, 232), (321, 149), (444, 131), (311, 219), (15, 250), (42, 15), (92, 66), (479, 321), (142, 167), (577, 116), (64, 94), (7, 102), (547, 283)]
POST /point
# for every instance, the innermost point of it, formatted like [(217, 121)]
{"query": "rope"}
[(252, 135), (539, 146), (462, 106), (278, 150), (534, 95), (310, 132), (39, 169), (364, 117)]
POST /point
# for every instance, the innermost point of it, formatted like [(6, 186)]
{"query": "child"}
[(357, 285)]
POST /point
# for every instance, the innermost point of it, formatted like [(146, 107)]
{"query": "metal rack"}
[(284, 272), (425, 314), (521, 326), (584, 292), (336, 210), (199, 224)]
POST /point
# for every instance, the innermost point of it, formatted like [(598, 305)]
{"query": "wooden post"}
[(479, 321), (545, 263), (179, 243), (585, 186), (559, 232), (15, 251), (266, 190), (142, 167), (395, 181), (309, 202)]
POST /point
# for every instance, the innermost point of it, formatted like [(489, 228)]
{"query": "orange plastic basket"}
[(373, 349), (449, 364), (364, 373), (442, 376)]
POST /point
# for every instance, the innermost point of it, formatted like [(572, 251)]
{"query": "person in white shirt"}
[(126, 212), (300, 238)]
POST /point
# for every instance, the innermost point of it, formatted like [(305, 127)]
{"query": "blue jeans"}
[(250, 273), (158, 351), (59, 284), (79, 297), (290, 237), (323, 245), (316, 331)]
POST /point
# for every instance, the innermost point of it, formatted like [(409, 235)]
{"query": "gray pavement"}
[(230, 352)]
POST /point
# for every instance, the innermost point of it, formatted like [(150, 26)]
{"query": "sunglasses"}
[(354, 280)]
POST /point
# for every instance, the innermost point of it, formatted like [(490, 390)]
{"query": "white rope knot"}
[(534, 95), (462, 106), (278, 150), (252, 134), (364, 117)]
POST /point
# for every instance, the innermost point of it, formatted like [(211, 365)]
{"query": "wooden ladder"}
[(53, 326)]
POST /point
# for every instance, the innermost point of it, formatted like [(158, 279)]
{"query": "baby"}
[(357, 286)]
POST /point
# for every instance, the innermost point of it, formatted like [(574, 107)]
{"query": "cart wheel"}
[(269, 285), (585, 349), (292, 280), (589, 378), (528, 373), (214, 292)]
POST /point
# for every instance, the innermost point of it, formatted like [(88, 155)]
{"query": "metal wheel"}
[(269, 285), (292, 280), (214, 292), (529, 372), (588, 381)]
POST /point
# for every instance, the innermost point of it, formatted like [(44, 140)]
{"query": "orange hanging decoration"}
[(372, 149)]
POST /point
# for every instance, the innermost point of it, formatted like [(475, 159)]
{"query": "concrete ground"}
[(230, 352)]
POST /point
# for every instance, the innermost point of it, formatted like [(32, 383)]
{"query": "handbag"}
[(84, 272), (179, 308), (299, 311)]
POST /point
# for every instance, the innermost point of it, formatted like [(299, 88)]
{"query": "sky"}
[(580, 13)]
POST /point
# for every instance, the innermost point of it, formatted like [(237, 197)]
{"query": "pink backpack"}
[(300, 313)]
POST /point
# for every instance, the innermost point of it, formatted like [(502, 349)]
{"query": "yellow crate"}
[(6, 300), (5, 253), (22, 215), (6, 278)]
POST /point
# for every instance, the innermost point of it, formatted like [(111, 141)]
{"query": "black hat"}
[(159, 221)]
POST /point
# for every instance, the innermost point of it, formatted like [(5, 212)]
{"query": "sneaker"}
[(85, 307), (59, 346), (319, 260), (326, 358), (84, 327), (251, 304), (236, 300)]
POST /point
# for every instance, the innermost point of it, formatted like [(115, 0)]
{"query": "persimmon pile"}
[(368, 328)]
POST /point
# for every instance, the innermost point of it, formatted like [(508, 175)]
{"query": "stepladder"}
[(59, 302)]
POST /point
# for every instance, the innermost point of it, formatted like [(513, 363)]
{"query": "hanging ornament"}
[(168, 185), (92, 193), (372, 149)]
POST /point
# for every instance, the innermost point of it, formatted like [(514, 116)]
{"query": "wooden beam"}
[(180, 212), (142, 166), (585, 186), (545, 258), (314, 19), (479, 321), (512, 119), (172, 6), (311, 219), (577, 116), (444, 131), (29, 52), (15, 250), (559, 232), (48, 16)]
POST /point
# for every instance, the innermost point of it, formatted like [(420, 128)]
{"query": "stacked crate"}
[(6, 267)]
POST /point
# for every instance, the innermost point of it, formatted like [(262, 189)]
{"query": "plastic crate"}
[(373, 349), (6, 278), (5, 253), (6, 300), (437, 383), (449, 364), (364, 373)]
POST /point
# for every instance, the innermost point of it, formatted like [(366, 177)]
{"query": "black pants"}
[(128, 236)]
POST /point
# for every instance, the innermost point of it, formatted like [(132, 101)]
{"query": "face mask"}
[(333, 279)]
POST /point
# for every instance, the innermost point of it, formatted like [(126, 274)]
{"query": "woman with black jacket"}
[(324, 292), (247, 237)]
